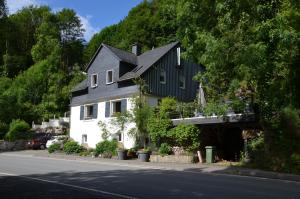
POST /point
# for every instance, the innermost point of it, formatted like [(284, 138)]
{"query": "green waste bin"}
[(210, 154)]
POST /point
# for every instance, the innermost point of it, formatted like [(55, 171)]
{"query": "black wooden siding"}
[(171, 87)]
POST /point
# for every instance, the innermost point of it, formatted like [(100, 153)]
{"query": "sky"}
[(94, 14)]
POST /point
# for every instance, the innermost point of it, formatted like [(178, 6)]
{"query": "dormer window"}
[(109, 77), (178, 56), (162, 76), (94, 80)]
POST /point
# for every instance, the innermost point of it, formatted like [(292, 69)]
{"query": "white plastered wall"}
[(93, 131)]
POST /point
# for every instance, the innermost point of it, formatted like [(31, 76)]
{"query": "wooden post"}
[(200, 157)]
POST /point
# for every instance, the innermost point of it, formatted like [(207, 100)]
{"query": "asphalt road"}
[(37, 177)]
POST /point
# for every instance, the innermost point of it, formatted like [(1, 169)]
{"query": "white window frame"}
[(182, 78), (92, 80), (112, 107), (84, 139), (178, 56), (163, 71), (86, 117), (112, 76)]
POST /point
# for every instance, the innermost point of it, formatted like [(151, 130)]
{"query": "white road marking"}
[(70, 185)]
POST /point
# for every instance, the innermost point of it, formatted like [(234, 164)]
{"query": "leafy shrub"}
[(238, 105), (3, 129), (86, 152), (54, 147), (165, 149), (72, 147), (159, 129), (257, 152), (215, 108), (18, 129), (107, 148), (167, 106), (186, 136), (132, 150), (145, 150), (278, 149), (295, 163)]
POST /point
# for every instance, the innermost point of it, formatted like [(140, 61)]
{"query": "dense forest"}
[(250, 49), (40, 61)]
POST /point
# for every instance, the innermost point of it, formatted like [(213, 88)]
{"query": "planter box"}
[(172, 158), (122, 154), (144, 156)]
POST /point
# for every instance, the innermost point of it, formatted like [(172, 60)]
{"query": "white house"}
[(109, 88)]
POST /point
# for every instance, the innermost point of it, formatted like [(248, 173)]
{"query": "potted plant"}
[(122, 152), (132, 153), (144, 155)]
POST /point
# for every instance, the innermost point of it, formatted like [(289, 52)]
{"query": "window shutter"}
[(107, 109), (81, 112), (123, 105), (95, 111)]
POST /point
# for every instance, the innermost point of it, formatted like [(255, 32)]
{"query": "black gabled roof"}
[(81, 86), (142, 62), (147, 59), (124, 56)]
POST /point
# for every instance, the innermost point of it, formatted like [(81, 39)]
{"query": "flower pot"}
[(122, 154), (144, 156)]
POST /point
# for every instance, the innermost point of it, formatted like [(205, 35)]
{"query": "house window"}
[(181, 81), (119, 137), (162, 77), (115, 107), (178, 56), (84, 139), (109, 77), (88, 112), (94, 80)]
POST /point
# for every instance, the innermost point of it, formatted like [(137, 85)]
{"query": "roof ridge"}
[(147, 59), (109, 46), (122, 55), (161, 47)]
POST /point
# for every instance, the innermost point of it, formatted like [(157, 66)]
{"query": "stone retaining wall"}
[(12, 146), (172, 158)]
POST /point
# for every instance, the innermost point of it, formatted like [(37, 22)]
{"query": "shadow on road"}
[(141, 184)]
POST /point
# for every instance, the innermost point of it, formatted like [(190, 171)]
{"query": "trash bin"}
[(210, 154)]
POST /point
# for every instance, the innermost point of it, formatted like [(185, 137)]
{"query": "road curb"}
[(261, 174)]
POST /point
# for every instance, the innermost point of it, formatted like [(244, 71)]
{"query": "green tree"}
[(16, 53), (141, 113), (71, 38), (3, 9)]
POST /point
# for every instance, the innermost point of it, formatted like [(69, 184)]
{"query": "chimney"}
[(136, 49)]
